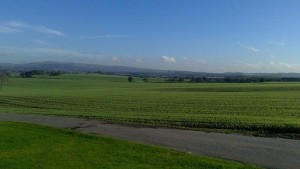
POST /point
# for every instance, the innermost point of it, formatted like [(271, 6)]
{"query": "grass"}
[(262, 107), (32, 146)]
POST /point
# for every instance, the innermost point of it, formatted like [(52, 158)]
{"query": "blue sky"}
[(193, 35)]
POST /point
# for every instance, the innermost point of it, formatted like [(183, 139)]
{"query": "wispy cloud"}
[(41, 42), (168, 59), (5, 29), (48, 31), (253, 49), (53, 51), (288, 65), (271, 66), (43, 54), (16, 26), (201, 61), (103, 36), (12, 27), (282, 43)]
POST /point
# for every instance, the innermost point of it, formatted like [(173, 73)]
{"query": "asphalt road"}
[(267, 152)]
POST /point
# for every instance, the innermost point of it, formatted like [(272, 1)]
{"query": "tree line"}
[(239, 79), (29, 74)]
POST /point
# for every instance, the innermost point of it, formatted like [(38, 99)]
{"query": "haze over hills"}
[(68, 67), (83, 67), (124, 70)]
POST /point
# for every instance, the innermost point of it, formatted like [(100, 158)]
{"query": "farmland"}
[(23, 146), (265, 107)]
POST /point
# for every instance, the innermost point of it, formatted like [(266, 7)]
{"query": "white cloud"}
[(255, 66), (253, 49), (115, 59), (282, 43), (271, 66), (25, 55), (48, 31), (53, 51), (287, 65), (12, 27), (168, 59), (16, 26), (4, 29), (103, 36), (137, 60), (41, 42)]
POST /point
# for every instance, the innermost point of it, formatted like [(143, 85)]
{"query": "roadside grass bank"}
[(25, 145)]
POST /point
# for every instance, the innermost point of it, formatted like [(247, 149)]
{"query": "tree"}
[(3, 78), (27, 74), (181, 79), (145, 79), (130, 79), (55, 73)]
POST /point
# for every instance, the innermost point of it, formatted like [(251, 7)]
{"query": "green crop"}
[(269, 107)]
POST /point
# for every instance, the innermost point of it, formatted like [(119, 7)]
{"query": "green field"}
[(36, 147), (266, 107)]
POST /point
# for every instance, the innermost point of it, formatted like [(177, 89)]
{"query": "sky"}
[(194, 35)]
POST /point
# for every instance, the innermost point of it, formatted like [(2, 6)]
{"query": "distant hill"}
[(67, 67), (124, 70), (81, 67)]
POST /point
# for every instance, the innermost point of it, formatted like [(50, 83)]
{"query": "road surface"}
[(267, 152)]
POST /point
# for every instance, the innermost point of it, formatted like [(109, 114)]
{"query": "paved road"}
[(268, 152)]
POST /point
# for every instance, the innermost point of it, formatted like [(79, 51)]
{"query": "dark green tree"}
[(130, 79), (145, 79), (3, 78)]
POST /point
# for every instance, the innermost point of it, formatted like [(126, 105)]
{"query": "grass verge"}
[(32, 146)]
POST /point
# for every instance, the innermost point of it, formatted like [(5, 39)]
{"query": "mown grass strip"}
[(32, 146)]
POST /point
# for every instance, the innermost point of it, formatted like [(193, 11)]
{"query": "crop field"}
[(23, 146), (266, 107)]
